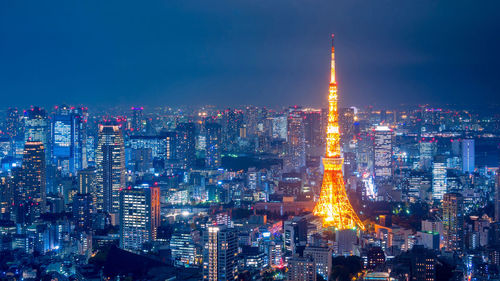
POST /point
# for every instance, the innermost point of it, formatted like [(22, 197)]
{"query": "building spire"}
[(332, 79)]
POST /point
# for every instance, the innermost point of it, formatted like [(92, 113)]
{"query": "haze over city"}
[(248, 52)]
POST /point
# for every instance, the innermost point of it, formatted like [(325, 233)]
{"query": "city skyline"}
[(194, 140)]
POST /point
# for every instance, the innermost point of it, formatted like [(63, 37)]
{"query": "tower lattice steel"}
[(333, 204)]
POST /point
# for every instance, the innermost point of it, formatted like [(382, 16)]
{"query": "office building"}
[(439, 177), (31, 190), (301, 269), (296, 154), (453, 221), (110, 168), (220, 254), (382, 149), (139, 216), (213, 145), (468, 155), (186, 141), (66, 140), (82, 211), (423, 264), (322, 257)]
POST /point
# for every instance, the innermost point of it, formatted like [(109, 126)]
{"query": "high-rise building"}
[(82, 211), (296, 156), (66, 140), (136, 125), (87, 181), (439, 175), (139, 216), (184, 250), (232, 122), (110, 168), (32, 185), (301, 269), (497, 195), (220, 254), (423, 264), (468, 156), (322, 257), (333, 205), (36, 126), (427, 149), (453, 221), (213, 145), (295, 234), (346, 123), (382, 149), (279, 127), (13, 126), (186, 141), (313, 131)]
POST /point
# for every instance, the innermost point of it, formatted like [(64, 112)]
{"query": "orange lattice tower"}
[(333, 204)]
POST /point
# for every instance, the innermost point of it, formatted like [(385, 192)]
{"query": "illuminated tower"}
[(333, 204)]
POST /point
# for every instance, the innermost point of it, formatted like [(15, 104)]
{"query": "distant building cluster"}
[(228, 194)]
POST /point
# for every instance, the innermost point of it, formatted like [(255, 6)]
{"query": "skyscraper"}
[(333, 205), (423, 264), (453, 221), (13, 122), (110, 168), (82, 211), (139, 216), (37, 128), (468, 156), (313, 131), (186, 141), (220, 254), (438, 179), (232, 122), (136, 125), (382, 149), (32, 186), (497, 195), (213, 147), (66, 139), (296, 156)]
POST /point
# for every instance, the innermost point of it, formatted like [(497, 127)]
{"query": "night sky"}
[(263, 52)]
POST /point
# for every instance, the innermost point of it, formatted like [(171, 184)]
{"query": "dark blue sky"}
[(265, 52)]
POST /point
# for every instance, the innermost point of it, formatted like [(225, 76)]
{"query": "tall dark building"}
[(313, 130), (453, 221), (376, 257), (423, 264), (32, 185), (232, 122), (346, 123), (219, 254), (13, 126), (214, 142), (296, 156), (186, 140), (110, 168), (497, 195), (82, 211), (136, 125)]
